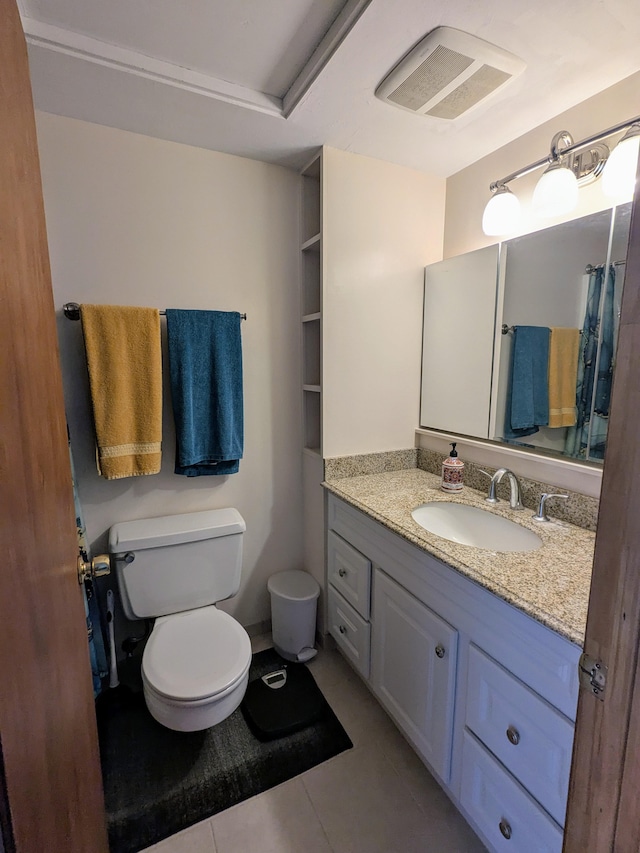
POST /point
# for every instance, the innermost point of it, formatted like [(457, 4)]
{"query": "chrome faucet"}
[(515, 500)]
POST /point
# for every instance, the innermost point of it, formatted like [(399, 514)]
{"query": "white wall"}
[(382, 224), (139, 221)]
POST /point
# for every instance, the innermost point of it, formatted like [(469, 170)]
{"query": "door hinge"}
[(593, 675)]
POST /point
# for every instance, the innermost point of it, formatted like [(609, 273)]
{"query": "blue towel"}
[(205, 366), (528, 391)]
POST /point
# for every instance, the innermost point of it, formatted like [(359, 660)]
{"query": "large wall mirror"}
[(519, 339)]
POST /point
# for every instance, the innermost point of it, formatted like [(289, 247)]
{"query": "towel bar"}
[(72, 311), (507, 329)]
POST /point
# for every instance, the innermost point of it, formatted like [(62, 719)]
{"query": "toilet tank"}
[(180, 562)]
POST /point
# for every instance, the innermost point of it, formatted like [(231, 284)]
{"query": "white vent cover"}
[(447, 73)]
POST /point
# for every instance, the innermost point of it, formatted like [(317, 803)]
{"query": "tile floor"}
[(375, 798)]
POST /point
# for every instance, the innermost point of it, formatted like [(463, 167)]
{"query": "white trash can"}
[(294, 600)]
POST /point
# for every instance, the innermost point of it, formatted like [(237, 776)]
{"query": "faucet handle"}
[(541, 515)]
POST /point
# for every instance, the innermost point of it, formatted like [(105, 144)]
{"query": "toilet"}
[(174, 569)]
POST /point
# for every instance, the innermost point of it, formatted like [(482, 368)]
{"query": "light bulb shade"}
[(556, 192), (502, 213), (619, 175)]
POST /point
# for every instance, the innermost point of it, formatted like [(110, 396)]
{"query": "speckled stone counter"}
[(550, 584)]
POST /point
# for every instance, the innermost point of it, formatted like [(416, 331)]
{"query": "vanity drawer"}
[(350, 631), (531, 739), (349, 572), (502, 810)]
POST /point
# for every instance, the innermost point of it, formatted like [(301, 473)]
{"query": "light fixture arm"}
[(568, 146), (560, 145)]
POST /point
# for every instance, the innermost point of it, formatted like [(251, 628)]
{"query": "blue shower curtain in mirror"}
[(588, 438), (97, 654)]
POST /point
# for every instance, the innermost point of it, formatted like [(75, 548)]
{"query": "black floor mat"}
[(158, 782)]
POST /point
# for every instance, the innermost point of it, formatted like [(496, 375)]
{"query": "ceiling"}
[(274, 79)]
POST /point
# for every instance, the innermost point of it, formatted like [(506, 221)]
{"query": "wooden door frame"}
[(602, 813)]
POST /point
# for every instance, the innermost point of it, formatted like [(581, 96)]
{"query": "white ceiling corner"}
[(127, 61)]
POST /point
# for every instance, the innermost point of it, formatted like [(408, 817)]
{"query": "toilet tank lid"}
[(174, 529)]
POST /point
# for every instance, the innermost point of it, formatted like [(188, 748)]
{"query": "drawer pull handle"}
[(342, 572), (440, 651), (505, 829), (513, 735), (342, 629)]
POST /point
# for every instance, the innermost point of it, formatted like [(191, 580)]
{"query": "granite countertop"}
[(550, 584)]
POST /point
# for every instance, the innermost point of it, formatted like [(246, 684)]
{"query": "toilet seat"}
[(196, 656)]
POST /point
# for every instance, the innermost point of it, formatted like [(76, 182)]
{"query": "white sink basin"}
[(470, 525)]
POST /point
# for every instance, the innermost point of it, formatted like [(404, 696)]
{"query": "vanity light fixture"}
[(569, 165), (618, 178)]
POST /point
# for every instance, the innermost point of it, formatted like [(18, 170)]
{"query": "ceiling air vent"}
[(447, 73)]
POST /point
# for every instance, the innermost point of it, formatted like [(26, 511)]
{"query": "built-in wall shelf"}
[(311, 299), (310, 274), (312, 244), (314, 452), (311, 211), (312, 422)]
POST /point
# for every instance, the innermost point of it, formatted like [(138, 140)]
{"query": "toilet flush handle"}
[(127, 557)]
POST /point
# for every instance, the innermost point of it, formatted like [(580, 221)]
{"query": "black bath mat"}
[(157, 781)]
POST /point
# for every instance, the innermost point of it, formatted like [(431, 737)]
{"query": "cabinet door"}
[(414, 667), (467, 282)]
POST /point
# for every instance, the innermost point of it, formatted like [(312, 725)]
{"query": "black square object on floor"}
[(157, 781), (282, 702)]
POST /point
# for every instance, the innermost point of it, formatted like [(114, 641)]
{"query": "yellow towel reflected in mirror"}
[(564, 346)]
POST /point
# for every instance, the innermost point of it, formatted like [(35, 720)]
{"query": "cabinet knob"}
[(505, 829), (513, 735), (440, 651), (342, 572), (342, 629)]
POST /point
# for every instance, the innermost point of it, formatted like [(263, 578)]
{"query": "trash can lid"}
[(294, 586)]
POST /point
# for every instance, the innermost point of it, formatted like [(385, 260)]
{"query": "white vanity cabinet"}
[(486, 694)]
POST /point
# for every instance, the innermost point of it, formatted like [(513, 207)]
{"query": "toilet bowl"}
[(174, 569), (195, 668)]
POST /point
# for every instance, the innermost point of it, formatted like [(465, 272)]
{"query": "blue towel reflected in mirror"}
[(527, 406)]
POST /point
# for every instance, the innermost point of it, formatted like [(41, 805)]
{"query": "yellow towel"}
[(125, 374), (563, 371)]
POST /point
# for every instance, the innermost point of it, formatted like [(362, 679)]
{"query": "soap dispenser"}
[(453, 471)]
